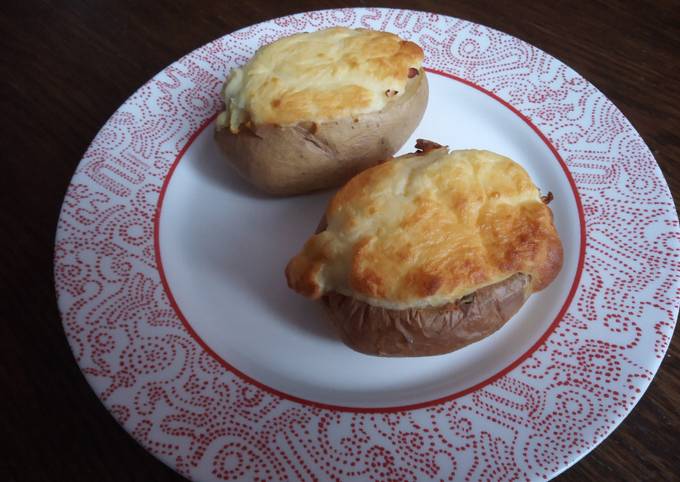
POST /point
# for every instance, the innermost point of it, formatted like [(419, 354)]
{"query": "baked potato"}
[(429, 252), (311, 110)]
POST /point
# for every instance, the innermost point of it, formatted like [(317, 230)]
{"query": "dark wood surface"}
[(67, 65)]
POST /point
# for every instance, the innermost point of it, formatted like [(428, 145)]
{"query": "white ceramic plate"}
[(169, 272)]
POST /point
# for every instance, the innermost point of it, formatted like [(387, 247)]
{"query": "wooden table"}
[(67, 66)]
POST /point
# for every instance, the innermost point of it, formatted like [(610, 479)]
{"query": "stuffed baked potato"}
[(311, 110), (428, 252)]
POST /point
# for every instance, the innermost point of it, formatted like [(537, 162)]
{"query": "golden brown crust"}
[(299, 270), (320, 76), (424, 230)]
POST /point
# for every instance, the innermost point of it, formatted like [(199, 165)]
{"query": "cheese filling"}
[(425, 230), (319, 76)]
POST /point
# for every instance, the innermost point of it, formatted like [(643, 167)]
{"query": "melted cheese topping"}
[(426, 230), (319, 76)]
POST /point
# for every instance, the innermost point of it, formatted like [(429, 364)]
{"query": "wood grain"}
[(67, 65)]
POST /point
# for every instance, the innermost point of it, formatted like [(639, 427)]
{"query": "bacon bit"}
[(412, 72), (547, 198), (424, 146), (391, 93)]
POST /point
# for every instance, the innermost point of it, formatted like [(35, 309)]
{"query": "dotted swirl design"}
[(209, 424)]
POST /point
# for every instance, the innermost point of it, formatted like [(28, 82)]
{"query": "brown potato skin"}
[(288, 160), (433, 331)]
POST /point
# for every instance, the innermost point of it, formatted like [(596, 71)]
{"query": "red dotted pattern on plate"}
[(210, 424)]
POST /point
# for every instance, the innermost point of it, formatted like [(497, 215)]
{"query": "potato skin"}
[(288, 160), (418, 332)]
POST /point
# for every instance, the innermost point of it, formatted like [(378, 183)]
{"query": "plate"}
[(169, 275)]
